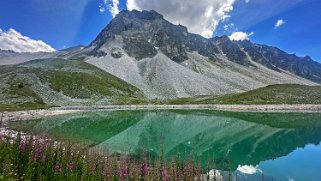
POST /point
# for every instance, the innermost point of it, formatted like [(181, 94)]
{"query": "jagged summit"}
[(151, 32), (147, 15)]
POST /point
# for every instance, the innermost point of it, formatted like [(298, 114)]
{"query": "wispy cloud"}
[(229, 27), (13, 40), (102, 8), (279, 23), (240, 36), (201, 17), (110, 5)]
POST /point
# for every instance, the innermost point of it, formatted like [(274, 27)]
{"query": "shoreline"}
[(218, 107), (36, 114)]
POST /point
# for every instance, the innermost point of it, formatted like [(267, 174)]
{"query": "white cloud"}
[(279, 23), (113, 8), (247, 1), (111, 5), (240, 36), (201, 17), (13, 40)]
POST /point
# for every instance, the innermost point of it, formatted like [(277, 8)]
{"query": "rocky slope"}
[(166, 61)]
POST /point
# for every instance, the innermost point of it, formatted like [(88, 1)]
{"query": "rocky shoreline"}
[(36, 114)]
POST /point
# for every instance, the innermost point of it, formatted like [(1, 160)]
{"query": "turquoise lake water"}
[(282, 146)]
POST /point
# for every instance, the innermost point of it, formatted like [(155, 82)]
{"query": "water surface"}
[(283, 146)]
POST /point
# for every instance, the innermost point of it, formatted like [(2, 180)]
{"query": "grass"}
[(17, 89), (84, 86), (73, 78), (273, 94), (81, 80), (22, 107)]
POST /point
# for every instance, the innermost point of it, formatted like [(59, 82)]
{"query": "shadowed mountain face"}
[(145, 32), (232, 138), (278, 60)]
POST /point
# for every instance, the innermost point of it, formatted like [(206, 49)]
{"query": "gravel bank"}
[(35, 114), (255, 108)]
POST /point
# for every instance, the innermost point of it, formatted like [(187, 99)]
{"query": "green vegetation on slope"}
[(78, 79), (31, 85), (273, 94), (83, 85), (17, 88)]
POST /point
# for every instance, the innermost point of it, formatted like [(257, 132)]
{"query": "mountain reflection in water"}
[(236, 141)]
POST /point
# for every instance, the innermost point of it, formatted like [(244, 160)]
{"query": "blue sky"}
[(63, 24)]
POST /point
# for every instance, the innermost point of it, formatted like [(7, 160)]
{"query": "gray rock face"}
[(278, 60), (231, 50), (166, 61), (143, 33)]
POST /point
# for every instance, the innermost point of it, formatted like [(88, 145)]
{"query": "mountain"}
[(8, 57), (152, 58), (279, 60), (165, 60)]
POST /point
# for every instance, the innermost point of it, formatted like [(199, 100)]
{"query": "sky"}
[(47, 25)]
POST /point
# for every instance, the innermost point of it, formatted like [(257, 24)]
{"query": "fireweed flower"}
[(57, 168), (70, 167), (144, 169), (43, 158), (164, 174), (122, 172), (22, 147), (37, 151)]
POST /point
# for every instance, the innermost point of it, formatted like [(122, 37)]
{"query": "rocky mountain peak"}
[(144, 15), (150, 32), (144, 34)]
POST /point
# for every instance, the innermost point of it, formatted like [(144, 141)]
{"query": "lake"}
[(282, 146)]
